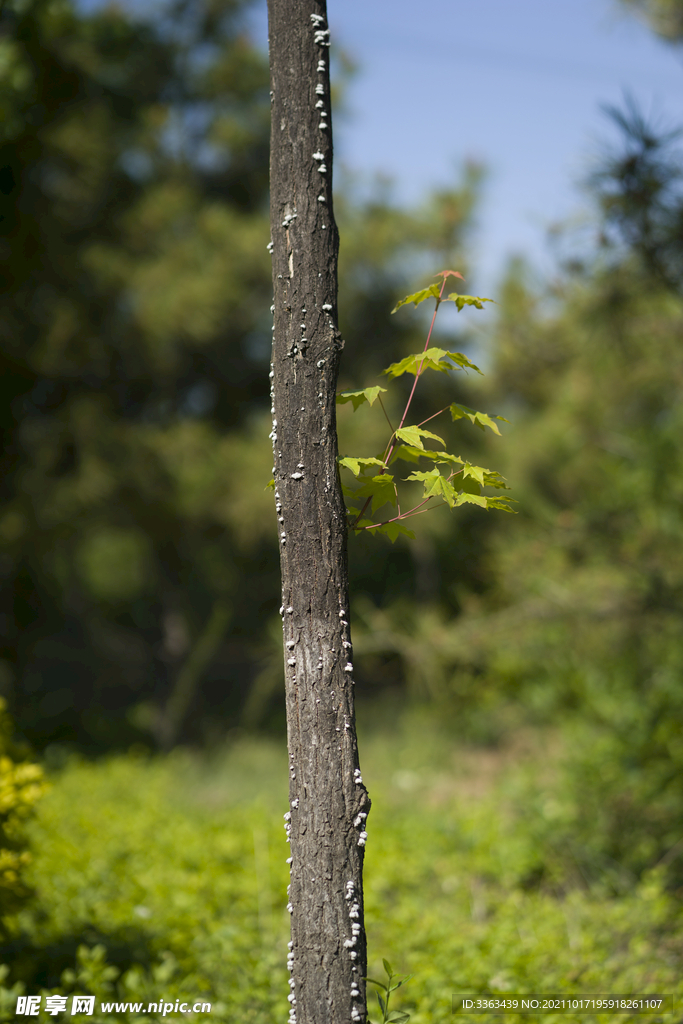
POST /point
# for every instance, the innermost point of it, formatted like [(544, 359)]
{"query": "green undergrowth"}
[(165, 878)]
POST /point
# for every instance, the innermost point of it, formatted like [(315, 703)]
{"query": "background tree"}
[(135, 342), (664, 16), (130, 348), (328, 801)]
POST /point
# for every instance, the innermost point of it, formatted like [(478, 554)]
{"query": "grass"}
[(166, 877)]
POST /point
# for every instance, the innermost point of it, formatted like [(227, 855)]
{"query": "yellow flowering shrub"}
[(21, 785)]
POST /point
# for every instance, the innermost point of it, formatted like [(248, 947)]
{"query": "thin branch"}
[(414, 511), (406, 515), (419, 369), (433, 416), (385, 415), (362, 511)]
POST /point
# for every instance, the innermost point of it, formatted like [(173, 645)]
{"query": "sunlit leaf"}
[(430, 359), (413, 436), (454, 460), (431, 292), (407, 453), (410, 454), (501, 503), (464, 362), (369, 395), (435, 485), (476, 472), (472, 499), (467, 300), (356, 463), (493, 479), (479, 419)]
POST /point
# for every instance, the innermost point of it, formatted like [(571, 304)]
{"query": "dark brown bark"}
[(328, 801)]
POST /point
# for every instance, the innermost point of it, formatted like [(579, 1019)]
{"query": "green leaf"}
[(354, 463), (369, 395), (483, 477), (380, 488), (387, 966), (382, 1005), (418, 297), (479, 419), (464, 362), (407, 454), (469, 485), (502, 504), (413, 436), (443, 457), (472, 499), (467, 300), (476, 472), (373, 982), (436, 486), (393, 529), (398, 1017), (270, 486), (430, 359), (493, 479), (362, 524)]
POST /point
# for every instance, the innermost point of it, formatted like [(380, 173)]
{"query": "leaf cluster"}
[(458, 482)]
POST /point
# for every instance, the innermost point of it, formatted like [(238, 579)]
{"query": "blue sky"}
[(517, 86)]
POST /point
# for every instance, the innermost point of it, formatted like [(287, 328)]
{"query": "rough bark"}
[(328, 801)]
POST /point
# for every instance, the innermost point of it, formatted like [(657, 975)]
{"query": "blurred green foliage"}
[(166, 877), (578, 624)]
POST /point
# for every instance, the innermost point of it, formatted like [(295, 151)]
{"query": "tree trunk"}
[(328, 801)]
